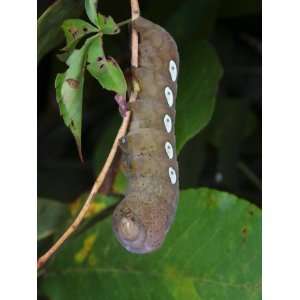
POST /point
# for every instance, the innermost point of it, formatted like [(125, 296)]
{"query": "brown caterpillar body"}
[(143, 218)]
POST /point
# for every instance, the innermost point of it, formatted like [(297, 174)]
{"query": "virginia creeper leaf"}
[(75, 29), (109, 75), (95, 52), (107, 25), (91, 10), (69, 91)]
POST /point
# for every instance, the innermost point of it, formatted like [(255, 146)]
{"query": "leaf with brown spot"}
[(69, 91), (73, 83), (109, 75), (95, 52), (75, 29)]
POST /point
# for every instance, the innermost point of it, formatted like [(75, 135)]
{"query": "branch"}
[(135, 12)]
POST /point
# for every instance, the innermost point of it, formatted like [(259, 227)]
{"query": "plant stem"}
[(122, 23), (135, 12)]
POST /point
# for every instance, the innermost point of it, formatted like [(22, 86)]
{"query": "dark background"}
[(226, 155)]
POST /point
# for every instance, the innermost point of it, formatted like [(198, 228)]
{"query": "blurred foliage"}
[(213, 250), (189, 266)]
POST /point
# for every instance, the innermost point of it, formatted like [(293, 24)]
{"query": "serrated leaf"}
[(108, 25), (49, 33), (213, 251), (74, 30), (109, 75), (50, 214), (91, 10), (69, 92), (197, 87)]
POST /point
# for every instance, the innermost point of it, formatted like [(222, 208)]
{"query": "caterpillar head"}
[(128, 229), (135, 228)]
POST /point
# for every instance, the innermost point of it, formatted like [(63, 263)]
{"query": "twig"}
[(135, 12)]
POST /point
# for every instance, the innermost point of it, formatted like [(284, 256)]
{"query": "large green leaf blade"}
[(49, 34), (212, 252), (197, 87)]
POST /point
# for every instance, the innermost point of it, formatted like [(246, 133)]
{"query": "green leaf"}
[(91, 10), (213, 251), (197, 87), (49, 34), (108, 25), (69, 91), (106, 71), (51, 214), (74, 30), (95, 52), (109, 75)]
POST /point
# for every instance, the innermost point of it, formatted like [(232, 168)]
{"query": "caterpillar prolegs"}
[(143, 218)]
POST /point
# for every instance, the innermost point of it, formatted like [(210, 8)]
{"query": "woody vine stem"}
[(135, 13)]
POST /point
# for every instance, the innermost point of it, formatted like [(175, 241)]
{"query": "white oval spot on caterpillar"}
[(169, 96), (169, 150), (172, 175), (173, 70), (168, 123)]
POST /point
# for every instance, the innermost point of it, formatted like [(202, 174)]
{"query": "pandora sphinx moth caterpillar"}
[(143, 218)]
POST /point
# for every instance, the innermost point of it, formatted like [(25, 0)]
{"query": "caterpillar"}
[(143, 218)]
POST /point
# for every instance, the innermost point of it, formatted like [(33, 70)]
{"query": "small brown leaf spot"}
[(99, 58), (74, 31), (72, 124), (85, 29), (73, 83), (111, 59), (245, 232)]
